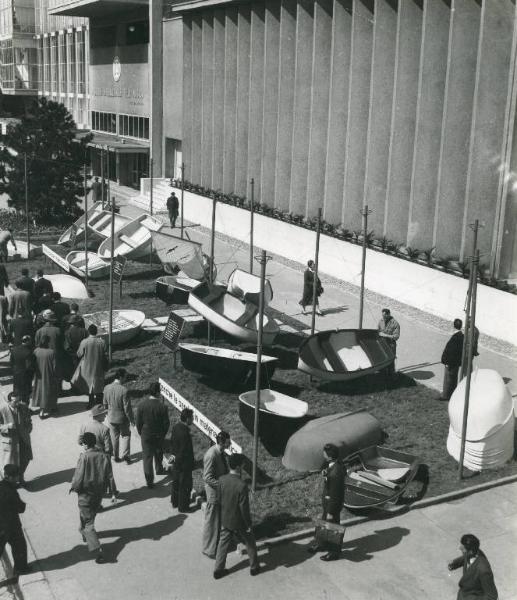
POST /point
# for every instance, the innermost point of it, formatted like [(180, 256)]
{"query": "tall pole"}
[(211, 265), (252, 213), (110, 332), (315, 280), (262, 261), (151, 206), (27, 221), (102, 177), (85, 228), (472, 332), (108, 173), (365, 212), (182, 194)]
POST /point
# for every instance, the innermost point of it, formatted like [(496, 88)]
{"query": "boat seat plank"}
[(127, 240), (330, 353), (249, 312), (213, 295), (373, 350)]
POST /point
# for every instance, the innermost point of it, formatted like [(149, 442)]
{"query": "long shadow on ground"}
[(361, 549), (48, 480)]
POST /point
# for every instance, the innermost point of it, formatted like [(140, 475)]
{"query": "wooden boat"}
[(126, 324), (279, 416), (377, 475), (225, 362), (97, 266), (175, 289), (234, 308), (344, 354), (68, 286), (133, 240), (99, 226)]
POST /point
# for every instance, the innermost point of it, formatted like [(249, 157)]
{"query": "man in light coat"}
[(20, 303), (120, 416), (15, 434), (92, 353), (214, 465)]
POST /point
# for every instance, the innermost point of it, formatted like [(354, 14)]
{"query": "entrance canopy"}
[(114, 143)]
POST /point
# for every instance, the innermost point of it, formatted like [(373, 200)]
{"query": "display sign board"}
[(118, 265), (73, 235), (172, 332), (200, 421), (59, 260)]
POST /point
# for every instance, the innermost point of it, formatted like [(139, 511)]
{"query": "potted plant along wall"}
[(426, 257)]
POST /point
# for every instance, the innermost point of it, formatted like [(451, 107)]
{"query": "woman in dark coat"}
[(46, 379), (308, 285)]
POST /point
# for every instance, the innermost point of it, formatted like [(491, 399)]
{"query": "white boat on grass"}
[(234, 308), (97, 266), (175, 289), (133, 240), (126, 324)]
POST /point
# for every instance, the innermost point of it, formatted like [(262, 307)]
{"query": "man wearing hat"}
[(22, 364)]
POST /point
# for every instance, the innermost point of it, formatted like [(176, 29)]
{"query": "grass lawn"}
[(409, 412)]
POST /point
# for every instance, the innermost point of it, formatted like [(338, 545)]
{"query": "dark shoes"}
[(117, 459), (330, 556), (127, 460), (101, 559), (221, 573), (150, 485), (313, 548), (254, 571)]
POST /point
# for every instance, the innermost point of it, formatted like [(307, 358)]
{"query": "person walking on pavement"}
[(308, 288), (233, 496), (20, 303), (120, 416), (22, 365), (6, 236), (46, 379), (451, 358), (214, 465), (332, 498), (93, 361), (183, 452), (11, 531), (74, 335), (91, 479), (173, 208), (389, 329), (152, 424), (15, 434), (42, 287), (96, 190), (477, 581)]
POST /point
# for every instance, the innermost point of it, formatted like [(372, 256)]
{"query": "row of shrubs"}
[(16, 221), (427, 257)]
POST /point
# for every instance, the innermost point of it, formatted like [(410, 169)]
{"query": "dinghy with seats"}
[(133, 240), (126, 324), (175, 289), (97, 266)]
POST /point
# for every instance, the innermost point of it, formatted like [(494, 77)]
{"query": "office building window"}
[(46, 64), (71, 65), (80, 61), (104, 121), (132, 126), (54, 78), (62, 62)]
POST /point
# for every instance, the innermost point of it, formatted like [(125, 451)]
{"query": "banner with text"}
[(59, 260), (200, 421)]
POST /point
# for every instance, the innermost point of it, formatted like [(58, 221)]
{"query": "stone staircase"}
[(161, 191)]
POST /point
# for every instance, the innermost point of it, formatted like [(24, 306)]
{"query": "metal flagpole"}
[(211, 265), (108, 173), (151, 205), (262, 260), (252, 213), (315, 281), (365, 212), (472, 332), (182, 192), (110, 332), (102, 177), (27, 221), (85, 229)]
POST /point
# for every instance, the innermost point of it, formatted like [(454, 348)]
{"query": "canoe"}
[(377, 475), (68, 286), (350, 432), (279, 416), (175, 289), (133, 240), (234, 308), (126, 324), (344, 354), (99, 226), (225, 362), (97, 266)]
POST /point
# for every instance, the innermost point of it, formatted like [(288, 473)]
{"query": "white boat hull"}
[(97, 267), (126, 324), (133, 240)]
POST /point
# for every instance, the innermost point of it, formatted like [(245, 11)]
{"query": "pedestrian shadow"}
[(280, 555), (67, 409), (333, 310), (161, 489), (43, 482), (420, 375), (80, 553), (361, 549)]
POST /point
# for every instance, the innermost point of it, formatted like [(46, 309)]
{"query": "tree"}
[(46, 139)]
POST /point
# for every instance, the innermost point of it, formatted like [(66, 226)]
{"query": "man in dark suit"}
[(22, 364), (477, 581), (451, 358), (73, 316), (19, 327), (74, 335), (333, 497), (25, 282), (120, 415), (183, 465), (152, 423), (42, 287), (61, 309), (233, 497)]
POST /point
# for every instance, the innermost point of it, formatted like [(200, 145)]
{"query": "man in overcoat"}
[(93, 360), (20, 303), (22, 365), (46, 379), (183, 465), (173, 208), (15, 434), (214, 466), (75, 333), (20, 326), (236, 522), (42, 287), (451, 359), (120, 416)]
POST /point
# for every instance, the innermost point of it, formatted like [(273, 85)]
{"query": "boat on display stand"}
[(97, 266), (126, 324), (133, 240)]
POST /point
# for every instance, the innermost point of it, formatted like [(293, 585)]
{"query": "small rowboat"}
[(133, 240), (377, 475), (344, 354), (68, 286), (175, 289), (97, 267), (126, 324), (225, 361), (279, 416), (234, 308)]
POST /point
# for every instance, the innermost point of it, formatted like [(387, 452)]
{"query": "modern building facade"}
[(406, 106)]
